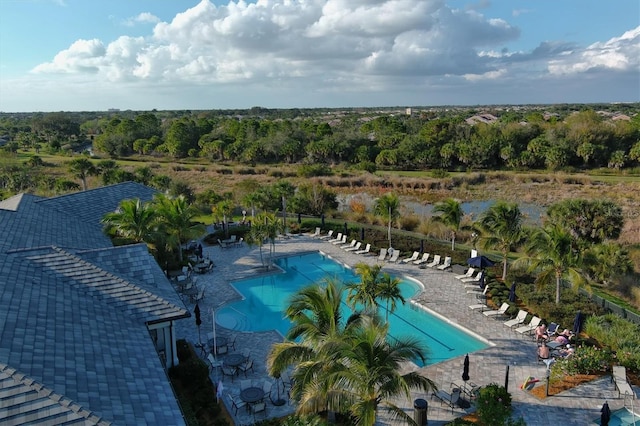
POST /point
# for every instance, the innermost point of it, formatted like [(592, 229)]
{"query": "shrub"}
[(585, 360), (494, 405)]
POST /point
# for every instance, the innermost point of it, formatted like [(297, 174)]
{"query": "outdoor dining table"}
[(234, 360), (252, 395)]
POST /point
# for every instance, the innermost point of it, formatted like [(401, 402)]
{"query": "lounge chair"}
[(619, 377), (328, 236), (519, 319), (350, 245), (317, 233), (366, 250), (480, 306), (474, 279), (446, 264), (424, 259), (394, 256), (354, 248), (468, 274), (479, 291), (383, 254), (434, 262), (342, 241), (498, 312), (552, 329), (412, 258), (223, 245), (535, 321), (338, 238), (451, 399)]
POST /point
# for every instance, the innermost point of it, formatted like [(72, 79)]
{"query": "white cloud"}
[(142, 18)]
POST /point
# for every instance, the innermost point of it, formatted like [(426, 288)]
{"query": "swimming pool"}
[(621, 417), (265, 298)]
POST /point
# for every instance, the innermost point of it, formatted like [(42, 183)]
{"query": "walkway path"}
[(444, 295)]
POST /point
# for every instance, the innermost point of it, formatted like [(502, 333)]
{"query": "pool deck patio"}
[(444, 295)]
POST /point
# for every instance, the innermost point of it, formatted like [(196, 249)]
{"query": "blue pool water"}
[(621, 417), (265, 299)]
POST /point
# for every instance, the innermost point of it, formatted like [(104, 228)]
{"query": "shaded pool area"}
[(265, 299), (621, 417)]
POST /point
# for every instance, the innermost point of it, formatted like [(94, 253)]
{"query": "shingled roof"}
[(74, 343)]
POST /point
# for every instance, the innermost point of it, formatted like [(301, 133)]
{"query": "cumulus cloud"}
[(142, 18), (332, 45)]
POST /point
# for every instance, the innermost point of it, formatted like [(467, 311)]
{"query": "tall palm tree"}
[(501, 228), (388, 207), (343, 364), (82, 168), (450, 215), (389, 291), (265, 228), (176, 217), (606, 261), (134, 220), (364, 291), (552, 255)]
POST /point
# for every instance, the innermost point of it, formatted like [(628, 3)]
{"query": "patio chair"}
[(259, 407), (236, 403), (478, 291), (480, 306), (341, 241), (223, 245), (317, 233), (394, 256), (228, 371), (552, 329), (246, 353), (232, 342), (413, 258), (328, 236), (350, 245), (467, 274), (366, 250), (383, 254), (354, 248), (451, 399), (619, 377), (248, 365), (424, 259), (434, 262), (213, 364), (338, 238), (535, 321), (519, 319), (498, 312), (446, 264), (245, 384), (473, 279)]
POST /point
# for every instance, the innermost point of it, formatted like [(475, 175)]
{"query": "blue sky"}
[(76, 55)]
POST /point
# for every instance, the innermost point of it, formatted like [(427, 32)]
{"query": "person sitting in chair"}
[(541, 333), (543, 351)]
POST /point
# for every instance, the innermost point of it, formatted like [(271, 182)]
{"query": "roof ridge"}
[(66, 404), (113, 288)]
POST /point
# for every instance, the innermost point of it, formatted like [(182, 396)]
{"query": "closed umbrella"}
[(606, 414), (421, 246), (196, 312), (362, 234), (480, 262), (512, 293), (345, 229), (577, 323), (465, 368)]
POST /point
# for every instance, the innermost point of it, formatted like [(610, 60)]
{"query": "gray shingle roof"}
[(74, 310)]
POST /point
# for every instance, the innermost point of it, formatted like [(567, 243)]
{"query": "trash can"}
[(420, 411)]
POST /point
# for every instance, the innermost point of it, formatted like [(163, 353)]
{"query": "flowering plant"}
[(494, 405)]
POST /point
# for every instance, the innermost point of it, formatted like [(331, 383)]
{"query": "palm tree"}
[(606, 261), (82, 168), (134, 220), (364, 291), (451, 216), (343, 364), (501, 226), (388, 207), (176, 218), (552, 255), (265, 228), (389, 291)]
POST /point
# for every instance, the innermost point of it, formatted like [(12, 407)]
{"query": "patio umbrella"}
[(512, 293), (421, 246), (322, 220), (465, 368), (362, 234), (577, 323), (606, 414), (506, 379), (480, 262), (196, 312), (345, 229)]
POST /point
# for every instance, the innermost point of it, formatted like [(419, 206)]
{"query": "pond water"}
[(532, 212)]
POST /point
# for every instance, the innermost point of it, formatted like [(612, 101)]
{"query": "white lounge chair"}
[(619, 377), (535, 321), (394, 256), (328, 236), (446, 264), (383, 254), (366, 250), (451, 399), (519, 319), (434, 262), (498, 312), (480, 292), (342, 241), (350, 245), (317, 233), (474, 279), (412, 258), (424, 259), (468, 274), (338, 238), (480, 306), (354, 248)]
